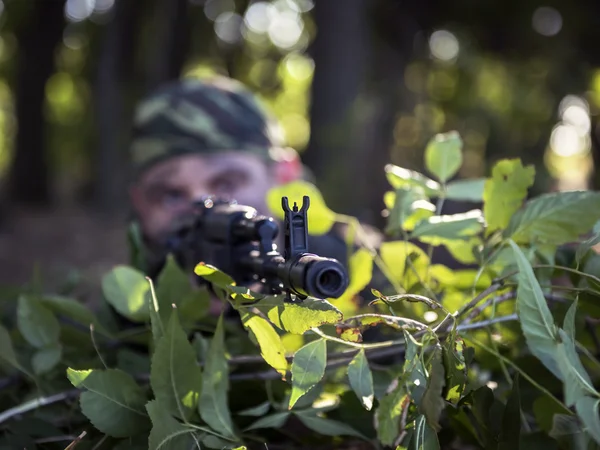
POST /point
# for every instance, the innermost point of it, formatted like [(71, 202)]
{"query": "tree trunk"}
[(339, 51), (37, 40), (172, 36), (113, 106)]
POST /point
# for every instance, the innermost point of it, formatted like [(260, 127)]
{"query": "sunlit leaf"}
[(213, 405), (128, 291), (326, 427), (410, 207), (36, 323), (555, 218), (414, 369), (437, 230), (320, 217), (536, 319), (455, 368), (271, 347), (432, 402), (443, 155), (400, 178), (389, 414), (460, 279), (308, 368), (396, 255), (505, 191), (276, 420), (167, 433), (297, 317), (175, 376), (464, 250), (355, 325), (213, 275), (588, 410), (113, 402), (46, 359), (466, 190), (361, 379), (360, 270)]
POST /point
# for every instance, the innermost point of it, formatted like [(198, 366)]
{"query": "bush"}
[(498, 354)]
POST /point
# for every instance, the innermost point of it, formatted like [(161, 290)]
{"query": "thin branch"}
[(481, 296), (36, 403), (76, 441)]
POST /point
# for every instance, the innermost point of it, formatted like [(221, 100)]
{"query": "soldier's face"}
[(167, 190)]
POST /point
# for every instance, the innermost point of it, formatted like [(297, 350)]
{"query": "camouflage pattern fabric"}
[(192, 116)]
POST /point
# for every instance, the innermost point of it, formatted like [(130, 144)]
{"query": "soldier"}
[(193, 138)]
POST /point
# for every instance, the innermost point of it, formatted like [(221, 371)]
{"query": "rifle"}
[(238, 241)]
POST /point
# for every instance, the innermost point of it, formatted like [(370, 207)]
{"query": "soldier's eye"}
[(173, 197)]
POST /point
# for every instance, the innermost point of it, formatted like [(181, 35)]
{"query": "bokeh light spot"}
[(285, 29), (228, 27), (444, 45), (547, 21), (259, 15), (78, 10), (214, 8)]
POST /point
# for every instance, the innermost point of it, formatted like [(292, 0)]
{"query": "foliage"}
[(415, 355)]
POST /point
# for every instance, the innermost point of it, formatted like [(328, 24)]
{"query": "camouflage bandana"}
[(200, 116)]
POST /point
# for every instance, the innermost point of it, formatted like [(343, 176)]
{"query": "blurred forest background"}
[(356, 84)]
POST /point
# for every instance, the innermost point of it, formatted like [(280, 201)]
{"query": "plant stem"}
[(518, 369), (356, 344)]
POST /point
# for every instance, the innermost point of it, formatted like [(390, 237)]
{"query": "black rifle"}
[(240, 242)]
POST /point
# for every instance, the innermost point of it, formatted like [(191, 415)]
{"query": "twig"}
[(96, 346), (55, 439), (36, 403), (76, 441), (481, 296), (485, 323)]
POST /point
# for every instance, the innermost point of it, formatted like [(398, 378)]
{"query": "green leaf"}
[(36, 323), (413, 298), (299, 317), (326, 427), (414, 369), (321, 217), (455, 368), (569, 323), (271, 347), (46, 359), (544, 409), (588, 410), (432, 402), (128, 291), (360, 270), (361, 379), (409, 208), (443, 155), (568, 431), (7, 351), (396, 254), (75, 311), (466, 190), (276, 420), (213, 406), (425, 437), (401, 178), (511, 419), (175, 376), (438, 230), (256, 411), (555, 218), (536, 319), (577, 382), (113, 402), (587, 245), (389, 414), (167, 433), (308, 368), (505, 191), (213, 275)]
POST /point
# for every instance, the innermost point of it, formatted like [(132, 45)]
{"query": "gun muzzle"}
[(315, 276)]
